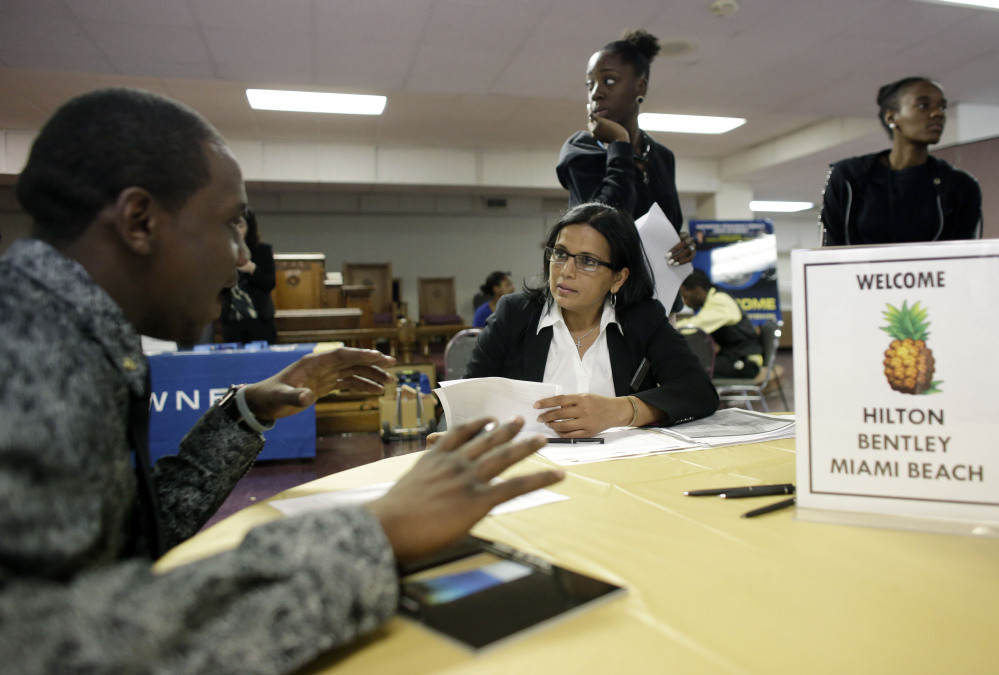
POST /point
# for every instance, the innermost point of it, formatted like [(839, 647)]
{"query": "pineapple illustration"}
[(908, 361)]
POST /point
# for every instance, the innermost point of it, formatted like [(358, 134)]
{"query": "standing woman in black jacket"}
[(248, 310), (614, 162), (902, 194)]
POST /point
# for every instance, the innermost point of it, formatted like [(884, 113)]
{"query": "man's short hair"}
[(697, 279), (100, 143)]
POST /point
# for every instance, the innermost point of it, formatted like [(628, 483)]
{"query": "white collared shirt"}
[(590, 374)]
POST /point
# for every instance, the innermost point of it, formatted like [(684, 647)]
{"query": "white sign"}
[(896, 377)]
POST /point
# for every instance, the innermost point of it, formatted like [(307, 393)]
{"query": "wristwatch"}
[(233, 404)]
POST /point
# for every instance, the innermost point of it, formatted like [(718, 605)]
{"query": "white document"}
[(497, 397), (619, 443), (658, 237), (328, 500), (735, 426)]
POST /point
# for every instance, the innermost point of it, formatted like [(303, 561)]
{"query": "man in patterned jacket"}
[(135, 200)]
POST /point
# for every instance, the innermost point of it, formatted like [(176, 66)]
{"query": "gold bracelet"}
[(634, 408)]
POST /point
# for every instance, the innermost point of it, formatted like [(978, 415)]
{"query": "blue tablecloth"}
[(184, 384)]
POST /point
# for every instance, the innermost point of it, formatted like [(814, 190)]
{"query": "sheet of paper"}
[(658, 237), (327, 500), (619, 443), (497, 397)]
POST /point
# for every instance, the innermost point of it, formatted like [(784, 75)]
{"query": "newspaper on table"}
[(505, 398), (734, 426)]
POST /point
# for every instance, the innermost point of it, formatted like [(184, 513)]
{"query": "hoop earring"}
[(641, 100)]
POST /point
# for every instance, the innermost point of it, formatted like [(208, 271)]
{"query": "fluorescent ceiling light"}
[(783, 207), (688, 124), (987, 4), (313, 101)]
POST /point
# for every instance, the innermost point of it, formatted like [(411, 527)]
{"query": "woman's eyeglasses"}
[(583, 262)]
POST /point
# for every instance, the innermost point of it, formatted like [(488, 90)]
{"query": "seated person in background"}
[(135, 202), (739, 351), (497, 285), (589, 327), (247, 309)]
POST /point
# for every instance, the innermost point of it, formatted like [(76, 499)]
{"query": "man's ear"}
[(137, 219)]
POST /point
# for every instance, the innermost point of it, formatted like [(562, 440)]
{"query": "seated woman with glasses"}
[(594, 327)]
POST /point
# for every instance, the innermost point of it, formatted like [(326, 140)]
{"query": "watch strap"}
[(234, 405)]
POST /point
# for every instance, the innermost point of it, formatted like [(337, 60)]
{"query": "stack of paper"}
[(503, 398), (619, 443), (734, 426)]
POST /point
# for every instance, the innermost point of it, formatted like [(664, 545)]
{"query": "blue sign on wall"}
[(740, 258)]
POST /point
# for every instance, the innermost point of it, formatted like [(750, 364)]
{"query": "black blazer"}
[(261, 283), (511, 346)]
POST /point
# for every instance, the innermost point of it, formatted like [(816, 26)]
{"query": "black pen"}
[(758, 491), (714, 492), (769, 508), (577, 441)]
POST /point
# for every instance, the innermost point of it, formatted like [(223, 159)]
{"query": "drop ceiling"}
[(499, 73)]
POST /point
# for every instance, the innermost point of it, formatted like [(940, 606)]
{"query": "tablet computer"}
[(480, 592)]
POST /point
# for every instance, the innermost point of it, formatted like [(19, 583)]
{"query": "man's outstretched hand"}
[(302, 383), (449, 489)]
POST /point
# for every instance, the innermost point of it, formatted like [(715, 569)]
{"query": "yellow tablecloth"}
[(708, 591)]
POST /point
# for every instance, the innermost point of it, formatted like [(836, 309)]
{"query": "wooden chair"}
[(437, 301), (379, 277)]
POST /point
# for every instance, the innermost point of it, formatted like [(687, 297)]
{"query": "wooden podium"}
[(299, 280)]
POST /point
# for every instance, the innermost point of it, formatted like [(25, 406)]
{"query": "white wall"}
[(426, 235), (421, 234), (793, 230), (465, 247)]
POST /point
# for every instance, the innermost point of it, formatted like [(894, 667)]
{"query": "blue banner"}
[(185, 384), (740, 258)]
